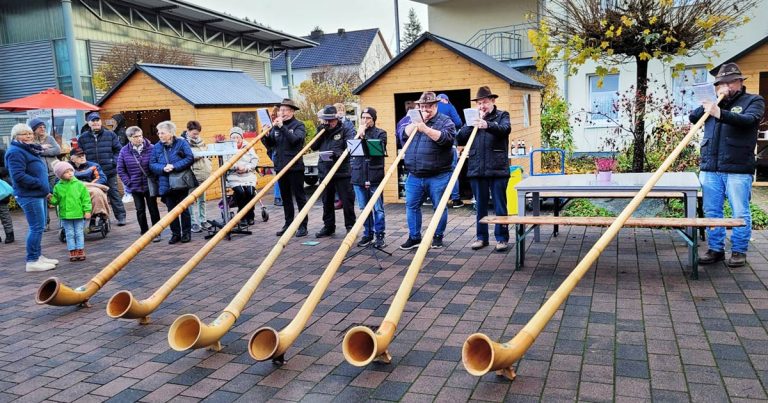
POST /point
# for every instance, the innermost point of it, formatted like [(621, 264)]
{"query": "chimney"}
[(340, 32), (316, 33)]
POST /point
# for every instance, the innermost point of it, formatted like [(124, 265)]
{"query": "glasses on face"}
[(136, 136)]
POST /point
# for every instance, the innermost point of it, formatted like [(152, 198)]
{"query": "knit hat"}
[(235, 130), (371, 112), (61, 167), (35, 123)]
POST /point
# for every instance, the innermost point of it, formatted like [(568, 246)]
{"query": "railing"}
[(505, 43)]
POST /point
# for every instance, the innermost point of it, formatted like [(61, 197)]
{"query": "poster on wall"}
[(245, 121)]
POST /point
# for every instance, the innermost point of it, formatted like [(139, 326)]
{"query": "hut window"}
[(603, 99), (526, 110), (682, 89)]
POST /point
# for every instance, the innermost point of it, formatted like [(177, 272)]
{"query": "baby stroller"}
[(100, 210)]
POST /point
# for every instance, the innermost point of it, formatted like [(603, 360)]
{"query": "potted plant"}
[(605, 167)]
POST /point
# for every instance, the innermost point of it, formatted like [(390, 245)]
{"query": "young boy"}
[(74, 204)]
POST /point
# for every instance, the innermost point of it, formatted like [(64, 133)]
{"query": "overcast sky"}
[(298, 17)]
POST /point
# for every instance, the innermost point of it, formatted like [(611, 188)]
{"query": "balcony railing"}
[(507, 43)]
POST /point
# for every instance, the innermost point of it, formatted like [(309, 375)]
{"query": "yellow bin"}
[(515, 176)]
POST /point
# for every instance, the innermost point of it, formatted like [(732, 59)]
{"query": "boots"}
[(81, 254), (379, 243), (73, 255), (9, 237)]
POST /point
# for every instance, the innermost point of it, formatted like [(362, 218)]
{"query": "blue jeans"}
[(277, 188), (737, 188), (197, 211), (498, 189), (35, 212), (416, 191), (74, 230), (455, 192), (376, 218)]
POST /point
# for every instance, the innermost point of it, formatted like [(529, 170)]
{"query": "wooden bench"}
[(557, 196), (678, 224)]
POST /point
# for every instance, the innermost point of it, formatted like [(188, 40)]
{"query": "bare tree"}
[(121, 59), (620, 31)]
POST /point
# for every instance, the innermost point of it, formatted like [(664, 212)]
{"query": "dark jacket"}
[(285, 142), (425, 157), (729, 142), (450, 111), (90, 172), (102, 148), (334, 140), (373, 169), (488, 154), (120, 127), (29, 175), (130, 165), (178, 153), (4, 175)]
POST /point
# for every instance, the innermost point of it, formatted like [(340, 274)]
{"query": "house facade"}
[(34, 34), (363, 51), (499, 28)]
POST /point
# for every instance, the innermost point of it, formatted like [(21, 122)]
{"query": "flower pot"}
[(604, 176)]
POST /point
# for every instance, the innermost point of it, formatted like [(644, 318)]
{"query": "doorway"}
[(761, 174), (147, 121)]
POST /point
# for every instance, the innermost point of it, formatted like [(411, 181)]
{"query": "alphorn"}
[(53, 292), (268, 343), (480, 354), (188, 331), (124, 305), (362, 345)]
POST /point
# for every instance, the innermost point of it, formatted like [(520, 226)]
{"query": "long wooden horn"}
[(480, 354), (267, 342), (124, 305), (54, 292), (362, 345), (188, 331)]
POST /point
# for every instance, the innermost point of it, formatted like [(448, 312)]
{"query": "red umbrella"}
[(47, 99)]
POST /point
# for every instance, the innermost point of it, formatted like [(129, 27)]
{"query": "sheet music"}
[(705, 93), (415, 116), (471, 115), (264, 118)]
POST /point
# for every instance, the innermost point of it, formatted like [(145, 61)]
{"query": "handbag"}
[(180, 180), (5, 189), (152, 186)]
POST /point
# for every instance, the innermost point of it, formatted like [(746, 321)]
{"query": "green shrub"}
[(676, 209), (585, 208), (311, 130)]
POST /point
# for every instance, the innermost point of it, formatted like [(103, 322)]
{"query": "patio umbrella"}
[(48, 99)]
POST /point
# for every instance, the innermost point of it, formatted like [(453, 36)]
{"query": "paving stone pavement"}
[(635, 328)]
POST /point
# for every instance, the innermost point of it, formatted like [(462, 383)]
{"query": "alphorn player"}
[(285, 140), (728, 161), (331, 146), (367, 174), (488, 165), (428, 162)]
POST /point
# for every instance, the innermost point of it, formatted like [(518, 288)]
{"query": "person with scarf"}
[(29, 178), (133, 169), (242, 177), (50, 155), (202, 170)]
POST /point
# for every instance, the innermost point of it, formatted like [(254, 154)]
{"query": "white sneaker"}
[(43, 259), (39, 266)]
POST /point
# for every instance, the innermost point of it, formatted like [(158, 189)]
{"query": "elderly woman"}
[(202, 170), (50, 154), (134, 172), (172, 156), (242, 178), (29, 177)]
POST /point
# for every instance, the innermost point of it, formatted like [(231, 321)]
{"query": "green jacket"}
[(72, 198)]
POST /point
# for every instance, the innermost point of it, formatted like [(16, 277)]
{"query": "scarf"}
[(195, 143), (32, 148), (138, 148)]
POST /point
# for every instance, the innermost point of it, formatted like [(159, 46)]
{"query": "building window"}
[(63, 69), (526, 110), (682, 88), (284, 77), (603, 99)]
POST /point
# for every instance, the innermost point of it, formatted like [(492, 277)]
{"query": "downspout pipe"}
[(74, 62)]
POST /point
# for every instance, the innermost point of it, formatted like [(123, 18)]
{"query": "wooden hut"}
[(219, 99), (434, 63)]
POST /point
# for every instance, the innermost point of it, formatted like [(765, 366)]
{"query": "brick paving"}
[(635, 328)]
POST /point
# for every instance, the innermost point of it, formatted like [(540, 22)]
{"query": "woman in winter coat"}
[(134, 172), (242, 178), (172, 155), (50, 154), (29, 178), (202, 170)]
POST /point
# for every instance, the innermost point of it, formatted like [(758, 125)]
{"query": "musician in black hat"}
[(488, 165), (728, 161), (285, 140)]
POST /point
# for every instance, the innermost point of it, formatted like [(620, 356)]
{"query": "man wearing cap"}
[(488, 166), (446, 108), (86, 171), (428, 162), (102, 147), (285, 140), (367, 174), (728, 161), (331, 146)]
